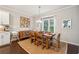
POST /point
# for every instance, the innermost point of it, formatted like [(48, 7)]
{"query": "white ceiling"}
[(32, 10)]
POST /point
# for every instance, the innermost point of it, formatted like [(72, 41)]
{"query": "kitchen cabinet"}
[(4, 17), (4, 38)]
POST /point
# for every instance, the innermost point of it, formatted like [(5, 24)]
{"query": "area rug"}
[(33, 49)]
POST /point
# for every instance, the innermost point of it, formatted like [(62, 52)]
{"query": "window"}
[(45, 25), (51, 25), (48, 24)]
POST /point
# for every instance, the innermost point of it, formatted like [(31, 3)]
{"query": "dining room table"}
[(48, 37)]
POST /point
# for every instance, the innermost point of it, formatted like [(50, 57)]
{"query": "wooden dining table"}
[(48, 37)]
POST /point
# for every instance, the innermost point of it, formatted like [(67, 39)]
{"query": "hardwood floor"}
[(14, 48)]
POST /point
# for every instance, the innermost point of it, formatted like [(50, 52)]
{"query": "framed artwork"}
[(24, 22), (67, 23)]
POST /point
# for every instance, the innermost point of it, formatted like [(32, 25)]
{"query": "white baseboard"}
[(70, 42)]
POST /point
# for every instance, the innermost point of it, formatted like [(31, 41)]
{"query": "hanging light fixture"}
[(39, 10), (39, 15)]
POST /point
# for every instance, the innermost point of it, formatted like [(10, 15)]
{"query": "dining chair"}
[(21, 35), (51, 40), (38, 37), (32, 36), (56, 41), (46, 41)]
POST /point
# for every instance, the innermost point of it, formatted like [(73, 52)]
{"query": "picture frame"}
[(67, 23), (24, 22)]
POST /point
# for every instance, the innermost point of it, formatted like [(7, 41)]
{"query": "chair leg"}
[(31, 40), (43, 47), (58, 44), (47, 44)]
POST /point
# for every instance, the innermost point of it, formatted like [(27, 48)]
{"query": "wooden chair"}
[(56, 41), (46, 41), (51, 40), (38, 37), (32, 37), (22, 35)]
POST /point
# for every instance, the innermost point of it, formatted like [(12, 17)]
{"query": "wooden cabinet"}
[(4, 17), (4, 38)]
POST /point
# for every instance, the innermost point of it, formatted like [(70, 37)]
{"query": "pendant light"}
[(40, 21)]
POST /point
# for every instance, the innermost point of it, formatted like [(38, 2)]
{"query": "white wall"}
[(71, 12), (32, 23)]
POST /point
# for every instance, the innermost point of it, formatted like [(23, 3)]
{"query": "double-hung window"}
[(48, 24)]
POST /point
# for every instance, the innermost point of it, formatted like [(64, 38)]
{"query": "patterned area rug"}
[(33, 49)]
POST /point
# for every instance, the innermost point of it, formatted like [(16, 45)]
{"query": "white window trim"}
[(49, 23)]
